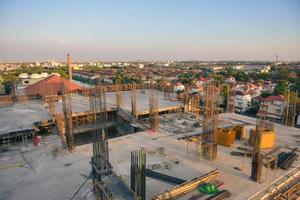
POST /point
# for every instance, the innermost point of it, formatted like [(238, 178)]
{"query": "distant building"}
[(179, 87), (242, 101), (141, 66), (31, 79), (238, 67), (51, 86), (273, 107), (244, 95), (217, 68), (260, 68), (230, 80), (200, 81)]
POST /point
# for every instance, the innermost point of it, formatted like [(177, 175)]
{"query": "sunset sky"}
[(32, 30)]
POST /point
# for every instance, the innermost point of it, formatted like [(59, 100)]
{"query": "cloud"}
[(60, 40)]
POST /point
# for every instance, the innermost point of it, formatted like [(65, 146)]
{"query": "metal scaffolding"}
[(210, 121), (230, 98)]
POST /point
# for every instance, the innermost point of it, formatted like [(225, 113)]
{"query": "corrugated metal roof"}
[(51, 86)]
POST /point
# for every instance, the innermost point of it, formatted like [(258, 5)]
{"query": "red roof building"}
[(273, 107), (52, 86), (275, 98)]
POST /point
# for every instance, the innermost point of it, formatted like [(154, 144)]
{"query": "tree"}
[(281, 88), (265, 94), (224, 94)]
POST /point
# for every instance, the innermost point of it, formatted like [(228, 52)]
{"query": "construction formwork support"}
[(210, 121), (153, 109), (67, 110), (137, 173)]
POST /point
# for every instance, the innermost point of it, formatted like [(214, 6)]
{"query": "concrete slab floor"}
[(51, 173), (22, 115), (81, 103)]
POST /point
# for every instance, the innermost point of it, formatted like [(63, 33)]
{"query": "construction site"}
[(141, 141)]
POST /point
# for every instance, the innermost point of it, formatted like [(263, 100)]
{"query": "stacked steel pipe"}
[(188, 186)]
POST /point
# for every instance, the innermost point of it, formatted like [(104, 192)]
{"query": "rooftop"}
[(22, 115), (49, 172), (81, 103)]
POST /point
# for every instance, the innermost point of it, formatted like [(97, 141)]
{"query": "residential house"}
[(273, 107), (242, 101)]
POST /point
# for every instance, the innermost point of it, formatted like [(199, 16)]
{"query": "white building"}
[(242, 101), (273, 107), (31, 79), (178, 87)]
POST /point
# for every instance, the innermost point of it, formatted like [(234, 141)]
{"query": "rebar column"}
[(137, 173), (153, 109), (67, 110), (133, 99), (210, 113)]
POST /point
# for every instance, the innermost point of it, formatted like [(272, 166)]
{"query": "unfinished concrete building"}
[(107, 132)]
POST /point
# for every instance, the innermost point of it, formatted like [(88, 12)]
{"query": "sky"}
[(150, 30)]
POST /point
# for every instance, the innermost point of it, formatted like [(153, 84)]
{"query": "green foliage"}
[(241, 76), (281, 88), (9, 78), (224, 94), (265, 94), (7, 88)]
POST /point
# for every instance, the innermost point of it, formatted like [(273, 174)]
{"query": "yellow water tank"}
[(268, 138), (225, 137), (240, 132)]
